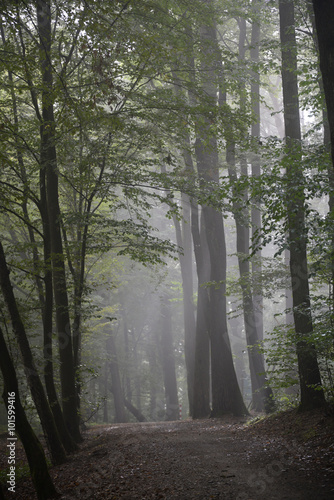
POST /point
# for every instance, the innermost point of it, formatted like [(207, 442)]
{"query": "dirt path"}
[(189, 460)]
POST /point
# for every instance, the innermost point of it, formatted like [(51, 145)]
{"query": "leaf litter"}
[(286, 456)]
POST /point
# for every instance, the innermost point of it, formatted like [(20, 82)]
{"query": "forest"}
[(166, 216)]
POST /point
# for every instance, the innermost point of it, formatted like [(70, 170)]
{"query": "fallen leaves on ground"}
[(285, 456)]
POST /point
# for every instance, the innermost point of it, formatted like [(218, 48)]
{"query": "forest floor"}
[(285, 456)]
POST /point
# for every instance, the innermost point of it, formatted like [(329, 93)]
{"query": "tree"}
[(116, 385), (256, 163), (201, 407), (310, 382), (261, 395), (35, 385), (168, 359), (226, 396), (32, 447), (45, 295), (324, 15), (321, 16), (49, 165)]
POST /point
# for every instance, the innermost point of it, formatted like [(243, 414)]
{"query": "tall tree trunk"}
[(311, 392), (120, 415), (49, 164), (201, 408), (324, 19), (320, 16), (256, 169), (261, 395), (78, 267), (154, 373), (226, 395), (35, 385), (200, 389), (168, 359), (136, 371), (105, 403), (45, 296), (47, 307), (128, 364), (183, 239), (35, 455)]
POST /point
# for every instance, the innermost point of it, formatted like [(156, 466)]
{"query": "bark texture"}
[(120, 415), (55, 446), (310, 382), (168, 360), (49, 165), (226, 395), (35, 455)]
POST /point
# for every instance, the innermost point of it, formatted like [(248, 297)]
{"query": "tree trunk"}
[(168, 360), (49, 165), (320, 16), (45, 296), (128, 365), (35, 455), (135, 412), (202, 345), (120, 415), (226, 395), (261, 395), (34, 382), (136, 370), (105, 403), (256, 171), (154, 374), (47, 308), (310, 382), (199, 392), (184, 241), (324, 19)]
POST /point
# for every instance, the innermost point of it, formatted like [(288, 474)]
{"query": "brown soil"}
[(287, 456)]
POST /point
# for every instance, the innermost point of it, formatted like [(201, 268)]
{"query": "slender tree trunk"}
[(324, 19), (67, 440), (310, 382), (226, 395), (256, 170), (35, 455), (168, 359), (45, 296), (105, 403), (183, 239), (200, 388), (120, 415), (49, 164), (35, 385), (320, 16), (136, 371), (154, 373), (128, 364), (201, 408), (261, 396)]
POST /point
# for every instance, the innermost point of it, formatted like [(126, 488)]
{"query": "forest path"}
[(211, 459)]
